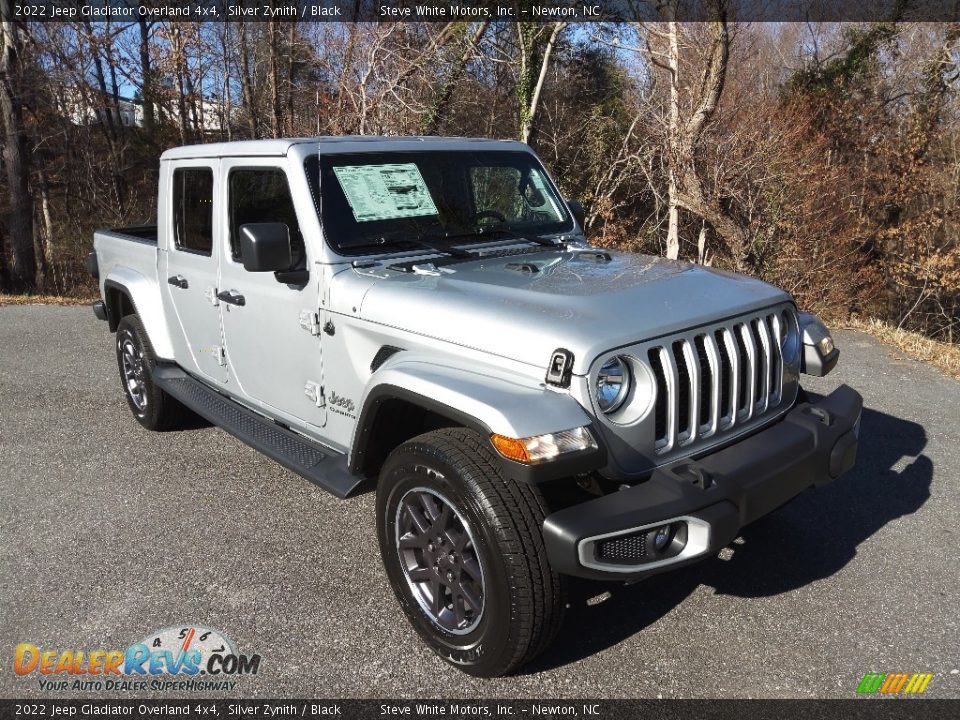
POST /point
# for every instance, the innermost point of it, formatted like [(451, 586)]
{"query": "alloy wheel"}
[(439, 559), (134, 373)]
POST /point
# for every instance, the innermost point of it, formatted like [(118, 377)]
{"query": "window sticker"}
[(385, 192)]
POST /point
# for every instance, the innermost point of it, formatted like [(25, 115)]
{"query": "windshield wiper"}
[(412, 238), (445, 249), (536, 239)]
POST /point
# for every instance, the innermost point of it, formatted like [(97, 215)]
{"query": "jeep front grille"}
[(717, 380)]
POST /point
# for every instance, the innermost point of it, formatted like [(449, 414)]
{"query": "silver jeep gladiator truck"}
[(426, 313)]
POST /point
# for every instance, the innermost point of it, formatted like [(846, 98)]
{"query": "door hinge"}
[(220, 354), (211, 295), (314, 391), (310, 321)]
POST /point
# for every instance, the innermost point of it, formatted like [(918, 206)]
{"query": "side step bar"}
[(320, 465)]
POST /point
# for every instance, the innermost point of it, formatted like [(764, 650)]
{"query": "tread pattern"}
[(538, 592)]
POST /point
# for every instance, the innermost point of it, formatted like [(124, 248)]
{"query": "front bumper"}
[(710, 498)]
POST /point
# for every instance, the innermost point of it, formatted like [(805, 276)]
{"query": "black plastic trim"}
[(297, 278), (812, 445), (100, 310), (114, 321), (383, 354), (560, 369), (93, 265), (565, 466), (317, 463), (830, 361), (817, 365)]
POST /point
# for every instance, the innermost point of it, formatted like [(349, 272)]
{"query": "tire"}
[(492, 555), (151, 406)]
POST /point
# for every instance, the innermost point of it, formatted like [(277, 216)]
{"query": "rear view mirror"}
[(265, 247), (578, 212)]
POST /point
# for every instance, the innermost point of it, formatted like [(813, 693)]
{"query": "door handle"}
[(179, 281), (232, 297)]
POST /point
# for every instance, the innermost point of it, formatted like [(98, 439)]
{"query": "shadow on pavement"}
[(811, 538)]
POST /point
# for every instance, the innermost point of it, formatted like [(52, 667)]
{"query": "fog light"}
[(661, 537)]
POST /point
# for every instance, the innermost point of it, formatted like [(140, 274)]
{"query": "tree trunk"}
[(108, 112), (533, 59), (180, 65), (246, 82), (673, 131), (691, 193), (438, 110), (343, 92), (289, 83), (146, 72), (225, 99), (703, 255), (22, 270), (275, 111), (48, 257)]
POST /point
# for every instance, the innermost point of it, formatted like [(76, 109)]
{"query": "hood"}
[(572, 300)]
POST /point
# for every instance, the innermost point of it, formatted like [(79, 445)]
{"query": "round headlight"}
[(613, 384), (790, 338)]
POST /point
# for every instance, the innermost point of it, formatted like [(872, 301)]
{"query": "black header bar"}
[(472, 709), (477, 10)]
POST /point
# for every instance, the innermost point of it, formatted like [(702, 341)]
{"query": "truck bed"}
[(136, 233), (129, 255)]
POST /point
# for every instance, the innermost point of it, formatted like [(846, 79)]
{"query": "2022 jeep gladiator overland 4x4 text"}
[(427, 312)]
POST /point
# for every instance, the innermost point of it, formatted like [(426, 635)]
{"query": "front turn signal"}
[(543, 448)]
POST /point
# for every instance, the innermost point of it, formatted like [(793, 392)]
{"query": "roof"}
[(347, 143)]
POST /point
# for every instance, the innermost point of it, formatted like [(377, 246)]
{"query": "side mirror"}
[(578, 212), (265, 247)]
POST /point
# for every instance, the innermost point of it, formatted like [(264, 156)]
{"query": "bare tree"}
[(435, 117), (535, 45), (22, 268), (246, 81), (146, 75), (687, 122)]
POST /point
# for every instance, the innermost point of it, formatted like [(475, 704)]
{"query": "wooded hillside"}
[(822, 157)]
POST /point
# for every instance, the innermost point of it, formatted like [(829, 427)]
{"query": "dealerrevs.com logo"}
[(180, 658)]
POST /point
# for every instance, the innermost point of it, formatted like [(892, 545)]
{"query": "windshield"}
[(372, 202)]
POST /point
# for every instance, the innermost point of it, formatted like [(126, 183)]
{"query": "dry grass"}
[(942, 355), (44, 300)]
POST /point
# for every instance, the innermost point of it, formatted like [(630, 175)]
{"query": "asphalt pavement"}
[(109, 532)]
